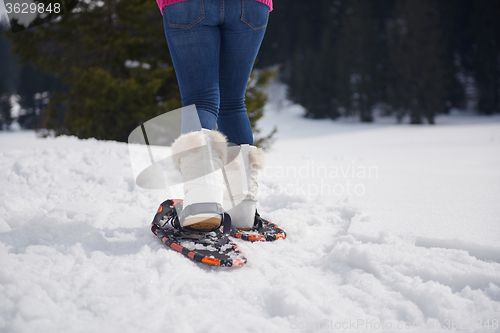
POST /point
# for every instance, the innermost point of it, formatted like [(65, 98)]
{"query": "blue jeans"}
[(213, 45)]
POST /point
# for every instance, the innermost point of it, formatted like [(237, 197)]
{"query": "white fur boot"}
[(200, 157), (240, 199)]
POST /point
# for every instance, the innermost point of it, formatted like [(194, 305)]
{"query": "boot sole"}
[(202, 223)]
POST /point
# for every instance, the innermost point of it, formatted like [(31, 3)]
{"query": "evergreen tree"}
[(313, 65), (414, 58), (417, 58), (486, 54), (256, 99), (8, 80), (92, 49), (8, 65), (357, 56), (281, 36), (5, 116), (303, 81), (455, 22), (33, 91)]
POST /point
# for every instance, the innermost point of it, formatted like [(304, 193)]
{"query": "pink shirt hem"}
[(163, 3)]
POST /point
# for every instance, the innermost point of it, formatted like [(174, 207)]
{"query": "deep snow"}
[(414, 244)]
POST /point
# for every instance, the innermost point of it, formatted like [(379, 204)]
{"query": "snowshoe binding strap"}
[(199, 208), (167, 214), (226, 229)]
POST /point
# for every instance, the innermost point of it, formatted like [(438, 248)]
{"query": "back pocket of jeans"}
[(254, 13), (185, 14)]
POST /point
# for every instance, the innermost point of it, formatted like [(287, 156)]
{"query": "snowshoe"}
[(262, 231), (211, 248)]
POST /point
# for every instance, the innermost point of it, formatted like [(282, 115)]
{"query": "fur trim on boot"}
[(199, 157), (240, 198)]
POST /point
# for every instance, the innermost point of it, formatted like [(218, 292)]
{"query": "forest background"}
[(103, 67)]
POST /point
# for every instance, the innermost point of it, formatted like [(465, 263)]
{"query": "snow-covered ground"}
[(390, 228)]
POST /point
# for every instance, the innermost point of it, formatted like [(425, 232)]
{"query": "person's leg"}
[(193, 37), (242, 32)]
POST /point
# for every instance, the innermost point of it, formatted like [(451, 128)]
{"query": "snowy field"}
[(390, 228)]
